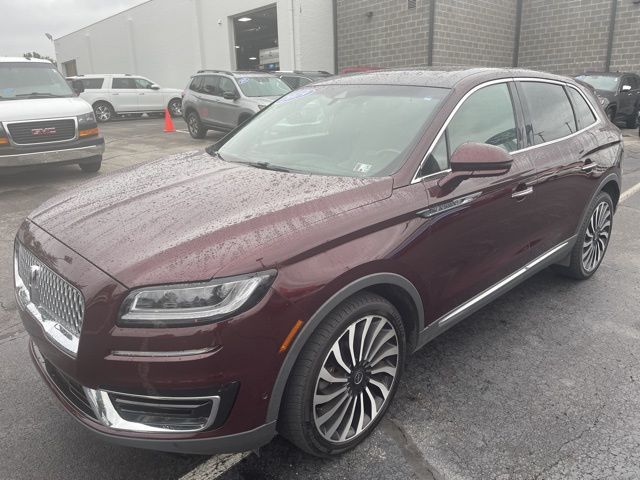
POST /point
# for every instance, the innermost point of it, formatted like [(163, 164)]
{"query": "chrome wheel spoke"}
[(596, 237), (356, 379)]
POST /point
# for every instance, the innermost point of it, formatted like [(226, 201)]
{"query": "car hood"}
[(42, 108), (185, 217)]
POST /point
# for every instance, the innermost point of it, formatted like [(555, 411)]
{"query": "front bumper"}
[(76, 154), (95, 410)]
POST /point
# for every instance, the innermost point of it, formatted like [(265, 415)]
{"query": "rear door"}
[(124, 94), (208, 99), (565, 161), (479, 230)]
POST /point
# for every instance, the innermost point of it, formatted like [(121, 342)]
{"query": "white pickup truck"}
[(113, 95)]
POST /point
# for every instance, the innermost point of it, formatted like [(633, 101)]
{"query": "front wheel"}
[(593, 239), (91, 166), (196, 129), (345, 378)]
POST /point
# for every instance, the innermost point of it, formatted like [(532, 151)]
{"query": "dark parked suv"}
[(622, 92), (277, 282)]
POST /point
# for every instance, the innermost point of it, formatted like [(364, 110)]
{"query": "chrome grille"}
[(56, 298), (46, 131)]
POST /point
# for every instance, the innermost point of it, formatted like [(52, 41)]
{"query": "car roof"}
[(234, 73), (604, 74), (23, 60), (94, 75), (443, 77)]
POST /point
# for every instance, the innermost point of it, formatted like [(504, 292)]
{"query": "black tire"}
[(297, 419), (196, 129), (579, 268), (91, 166), (103, 111), (175, 107)]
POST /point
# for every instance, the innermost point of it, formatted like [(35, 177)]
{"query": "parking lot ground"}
[(542, 384)]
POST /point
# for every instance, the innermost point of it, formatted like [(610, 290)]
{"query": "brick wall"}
[(479, 32), (393, 36), (626, 45), (566, 37)]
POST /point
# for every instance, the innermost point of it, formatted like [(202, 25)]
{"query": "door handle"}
[(588, 166), (522, 193)]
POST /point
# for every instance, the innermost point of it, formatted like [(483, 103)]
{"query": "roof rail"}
[(302, 72), (226, 72)]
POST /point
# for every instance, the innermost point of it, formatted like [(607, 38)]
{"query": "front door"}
[(479, 229), (149, 100)]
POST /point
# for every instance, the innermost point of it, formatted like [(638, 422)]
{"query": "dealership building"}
[(168, 40)]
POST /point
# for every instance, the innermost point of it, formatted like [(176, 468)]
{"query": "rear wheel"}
[(196, 129), (103, 111), (345, 378), (91, 166), (175, 107), (593, 239)]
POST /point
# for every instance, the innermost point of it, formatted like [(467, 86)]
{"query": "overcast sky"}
[(23, 23)]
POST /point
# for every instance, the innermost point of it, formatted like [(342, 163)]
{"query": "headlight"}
[(194, 304), (88, 120)]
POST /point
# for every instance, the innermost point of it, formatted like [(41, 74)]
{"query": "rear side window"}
[(485, 117), (584, 115), (210, 85), (196, 84), (92, 83), (124, 83), (551, 114)]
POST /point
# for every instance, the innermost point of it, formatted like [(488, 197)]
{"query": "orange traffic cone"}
[(168, 123)]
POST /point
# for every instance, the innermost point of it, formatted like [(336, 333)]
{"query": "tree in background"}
[(37, 55)]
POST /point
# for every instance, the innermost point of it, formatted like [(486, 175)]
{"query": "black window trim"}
[(417, 178)]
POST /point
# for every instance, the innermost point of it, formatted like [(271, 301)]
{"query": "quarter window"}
[(550, 111), (584, 115), (210, 85)]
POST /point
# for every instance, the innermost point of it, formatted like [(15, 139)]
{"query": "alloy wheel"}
[(193, 125), (356, 379), (175, 108), (596, 237), (103, 113)]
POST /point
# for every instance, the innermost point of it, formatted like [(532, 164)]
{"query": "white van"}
[(42, 119)]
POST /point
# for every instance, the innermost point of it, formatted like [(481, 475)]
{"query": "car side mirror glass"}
[(77, 86), (474, 160), (155, 87), (229, 95), (626, 88)]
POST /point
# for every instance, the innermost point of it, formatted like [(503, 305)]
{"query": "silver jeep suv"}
[(222, 100)]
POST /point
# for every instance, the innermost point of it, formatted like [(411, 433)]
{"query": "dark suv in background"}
[(621, 90), (278, 281), (222, 100)]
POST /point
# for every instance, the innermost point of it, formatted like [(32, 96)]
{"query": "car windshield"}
[(346, 130), (263, 86), (19, 80), (600, 82)]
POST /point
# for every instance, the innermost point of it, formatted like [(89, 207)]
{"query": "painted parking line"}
[(182, 131), (630, 191), (215, 467)]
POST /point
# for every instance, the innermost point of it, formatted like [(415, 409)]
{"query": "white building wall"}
[(168, 40)]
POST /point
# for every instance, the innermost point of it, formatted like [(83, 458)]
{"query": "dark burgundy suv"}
[(276, 283)]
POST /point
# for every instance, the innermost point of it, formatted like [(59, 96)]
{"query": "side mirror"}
[(229, 95), (77, 86), (474, 160), (626, 88), (155, 87)]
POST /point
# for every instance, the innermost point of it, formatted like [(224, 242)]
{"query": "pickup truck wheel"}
[(175, 107), (103, 111), (92, 165)]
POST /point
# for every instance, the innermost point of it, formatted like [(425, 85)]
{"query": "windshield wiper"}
[(267, 166), (39, 94)]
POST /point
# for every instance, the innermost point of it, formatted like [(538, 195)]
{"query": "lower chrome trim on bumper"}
[(53, 156)]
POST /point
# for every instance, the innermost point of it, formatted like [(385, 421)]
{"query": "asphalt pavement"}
[(542, 384)]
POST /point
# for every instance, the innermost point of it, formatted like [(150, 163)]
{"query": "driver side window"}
[(143, 84), (487, 116)]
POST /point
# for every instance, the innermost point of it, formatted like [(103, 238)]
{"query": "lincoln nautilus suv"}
[(276, 282)]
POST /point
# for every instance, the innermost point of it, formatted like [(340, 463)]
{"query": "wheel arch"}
[(101, 100), (397, 289)]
